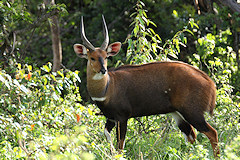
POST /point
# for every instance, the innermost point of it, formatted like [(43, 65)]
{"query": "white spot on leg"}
[(107, 134), (188, 138), (177, 117), (191, 138), (185, 137)]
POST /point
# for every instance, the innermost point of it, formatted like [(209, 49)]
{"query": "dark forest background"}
[(45, 110)]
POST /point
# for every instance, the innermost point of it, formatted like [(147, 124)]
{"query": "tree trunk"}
[(232, 4), (236, 36), (56, 41), (203, 5)]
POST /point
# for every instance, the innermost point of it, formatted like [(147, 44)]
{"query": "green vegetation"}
[(47, 115)]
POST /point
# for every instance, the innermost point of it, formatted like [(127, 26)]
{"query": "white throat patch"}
[(98, 76), (98, 99)]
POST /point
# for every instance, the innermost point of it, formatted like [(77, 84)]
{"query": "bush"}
[(40, 114)]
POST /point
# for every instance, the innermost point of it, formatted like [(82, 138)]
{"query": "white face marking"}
[(89, 63), (97, 76), (98, 99)]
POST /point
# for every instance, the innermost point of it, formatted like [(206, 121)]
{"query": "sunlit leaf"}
[(153, 23), (175, 13), (60, 73), (90, 111), (19, 65), (135, 30), (29, 68), (197, 56), (154, 46), (46, 68), (76, 76), (53, 77), (189, 31)]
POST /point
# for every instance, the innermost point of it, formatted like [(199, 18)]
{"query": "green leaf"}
[(133, 14), (145, 19), (129, 43), (61, 74), (154, 47), (76, 76), (152, 31), (153, 23), (144, 13), (5, 82), (136, 29), (189, 31), (197, 56), (172, 53), (195, 24), (29, 68), (53, 77), (141, 21), (24, 89), (175, 13), (158, 37), (141, 3), (46, 68), (154, 39)]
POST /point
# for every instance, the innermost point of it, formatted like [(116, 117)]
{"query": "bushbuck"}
[(149, 89)]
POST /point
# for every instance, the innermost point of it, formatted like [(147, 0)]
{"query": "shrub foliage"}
[(43, 116)]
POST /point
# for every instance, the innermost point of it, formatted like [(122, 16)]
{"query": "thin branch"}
[(145, 129), (24, 51), (39, 21), (14, 42), (22, 145)]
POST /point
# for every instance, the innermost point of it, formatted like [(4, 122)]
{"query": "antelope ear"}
[(114, 48), (80, 50)]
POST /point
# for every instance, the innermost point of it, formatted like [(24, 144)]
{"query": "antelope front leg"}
[(108, 127), (121, 133)]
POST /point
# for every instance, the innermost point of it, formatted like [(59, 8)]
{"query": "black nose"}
[(103, 70)]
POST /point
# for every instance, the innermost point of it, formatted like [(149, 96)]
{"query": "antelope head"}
[(97, 57)]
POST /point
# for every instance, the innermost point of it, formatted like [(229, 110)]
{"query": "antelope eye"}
[(92, 59)]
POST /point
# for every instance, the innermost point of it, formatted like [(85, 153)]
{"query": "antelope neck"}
[(98, 88)]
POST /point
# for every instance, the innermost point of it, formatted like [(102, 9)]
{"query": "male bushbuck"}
[(142, 90)]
